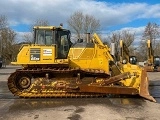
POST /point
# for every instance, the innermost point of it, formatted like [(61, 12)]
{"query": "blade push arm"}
[(150, 54)]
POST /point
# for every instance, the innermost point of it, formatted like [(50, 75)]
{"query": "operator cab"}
[(53, 36)]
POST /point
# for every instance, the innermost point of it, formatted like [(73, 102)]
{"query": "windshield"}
[(44, 37)]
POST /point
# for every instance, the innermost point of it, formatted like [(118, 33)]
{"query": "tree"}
[(3, 22), (28, 37), (80, 23), (3, 26), (7, 40), (9, 49), (152, 33), (124, 35), (127, 37)]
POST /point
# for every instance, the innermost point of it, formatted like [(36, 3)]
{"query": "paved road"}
[(14, 108)]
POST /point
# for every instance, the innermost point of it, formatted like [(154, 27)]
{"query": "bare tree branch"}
[(151, 32), (7, 40), (28, 37), (124, 35), (82, 23)]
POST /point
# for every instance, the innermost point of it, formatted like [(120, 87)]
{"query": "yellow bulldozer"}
[(54, 67), (153, 62)]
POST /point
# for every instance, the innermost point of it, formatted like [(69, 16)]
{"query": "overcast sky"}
[(113, 14)]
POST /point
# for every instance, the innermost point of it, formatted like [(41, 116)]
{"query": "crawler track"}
[(39, 89), (71, 83)]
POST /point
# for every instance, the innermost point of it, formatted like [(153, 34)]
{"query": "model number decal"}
[(47, 52)]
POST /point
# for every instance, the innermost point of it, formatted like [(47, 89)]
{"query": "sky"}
[(114, 15)]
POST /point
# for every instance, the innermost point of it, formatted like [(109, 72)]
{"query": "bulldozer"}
[(153, 62), (52, 66)]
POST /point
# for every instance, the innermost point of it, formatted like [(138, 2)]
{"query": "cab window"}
[(44, 37)]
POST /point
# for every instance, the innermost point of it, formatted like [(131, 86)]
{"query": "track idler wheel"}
[(23, 82)]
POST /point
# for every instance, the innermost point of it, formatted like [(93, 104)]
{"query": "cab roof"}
[(47, 27)]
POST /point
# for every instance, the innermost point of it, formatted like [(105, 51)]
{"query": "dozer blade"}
[(144, 91)]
